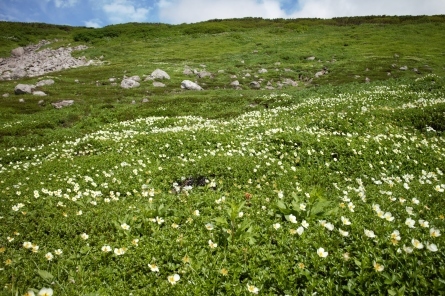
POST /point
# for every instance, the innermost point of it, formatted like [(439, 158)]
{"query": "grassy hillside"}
[(334, 186)]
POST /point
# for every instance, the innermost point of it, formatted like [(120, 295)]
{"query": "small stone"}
[(145, 100), (21, 100), (5, 95), (310, 58), (262, 71), (255, 85), (158, 84), (404, 68), (39, 93)]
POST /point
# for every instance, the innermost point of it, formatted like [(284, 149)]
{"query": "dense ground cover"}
[(332, 189)]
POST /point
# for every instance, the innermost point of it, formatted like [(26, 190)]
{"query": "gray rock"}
[(61, 104), (45, 82), (187, 84), (158, 84), (262, 71), (41, 102), (270, 87), (24, 89), (233, 76), (135, 78), (221, 71), (404, 68), (255, 85), (112, 79), (159, 74), (367, 80), (310, 58), (18, 73), (203, 74), (21, 100), (187, 72), (290, 82), (145, 100), (17, 52), (5, 95), (39, 93), (235, 83), (129, 83), (247, 75), (320, 73)]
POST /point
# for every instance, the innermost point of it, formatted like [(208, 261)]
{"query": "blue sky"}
[(99, 13)]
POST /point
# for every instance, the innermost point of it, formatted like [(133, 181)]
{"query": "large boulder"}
[(17, 52), (24, 89), (159, 74), (129, 83), (187, 84)]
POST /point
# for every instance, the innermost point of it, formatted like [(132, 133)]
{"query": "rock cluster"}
[(30, 62)]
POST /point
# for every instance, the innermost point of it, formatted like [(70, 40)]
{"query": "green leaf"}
[(358, 263), (45, 275), (221, 221), (281, 205)]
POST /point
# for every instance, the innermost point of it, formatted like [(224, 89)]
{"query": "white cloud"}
[(123, 11), (191, 11), (95, 23), (337, 8), (65, 3)]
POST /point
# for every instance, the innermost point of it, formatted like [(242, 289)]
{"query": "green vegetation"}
[(335, 186)]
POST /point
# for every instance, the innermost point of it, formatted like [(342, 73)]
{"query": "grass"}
[(335, 186)]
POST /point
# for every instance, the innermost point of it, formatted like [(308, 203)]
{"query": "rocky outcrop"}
[(30, 61)]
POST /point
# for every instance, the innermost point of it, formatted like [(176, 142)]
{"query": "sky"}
[(100, 13)]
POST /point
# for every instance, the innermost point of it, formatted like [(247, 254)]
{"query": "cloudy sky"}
[(99, 13)]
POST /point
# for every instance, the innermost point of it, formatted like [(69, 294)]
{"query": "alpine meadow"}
[(227, 157)]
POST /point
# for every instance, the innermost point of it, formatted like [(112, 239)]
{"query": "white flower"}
[(300, 230), (375, 207), (240, 214), (27, 245), (212, 245), (415, 201), (276, 226), (125, 226), (84, 236), (322, 253), (280, 194), (106, 249), (49, 256), (424, 223), (369, 233), (410, 223), (153, 267), (388, 216), (196, 212), (408, 250), (329, 226), (252, 289), (395, 235), (292, 218), (345, 221), (377, 266), (29, 293), (159, 220), (303, 207), (432, 247), (173, 279), (434, 232), (304, 224), (120, 251), (351, 206), (344, 233), (409, 210), (417, 244), (209, 226), (45, 292)]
